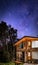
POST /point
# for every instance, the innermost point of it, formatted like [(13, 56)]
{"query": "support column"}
[(25, 52), (29, 52), (23, 56)]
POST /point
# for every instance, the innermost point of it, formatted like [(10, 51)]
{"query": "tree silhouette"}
[(13, 38), (6, 32), (3, 29)]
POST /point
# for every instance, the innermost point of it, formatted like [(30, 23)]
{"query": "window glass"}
[(35, 55), (34, 44), (28, 53)]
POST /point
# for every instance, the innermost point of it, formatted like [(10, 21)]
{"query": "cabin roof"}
[(26, 38)]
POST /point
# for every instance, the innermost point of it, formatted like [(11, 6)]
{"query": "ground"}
[(29, 64), (7, 63), (11, 63)]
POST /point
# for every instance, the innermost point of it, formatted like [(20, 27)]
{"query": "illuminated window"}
[(29, 43), (35, 55), (34, 44), (28, 53)]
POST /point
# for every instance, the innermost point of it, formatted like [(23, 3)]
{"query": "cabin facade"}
[(27, 49)]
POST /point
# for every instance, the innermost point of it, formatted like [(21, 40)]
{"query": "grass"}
[(10, 63)]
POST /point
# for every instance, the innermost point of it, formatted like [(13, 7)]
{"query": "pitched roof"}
[(31, 38)]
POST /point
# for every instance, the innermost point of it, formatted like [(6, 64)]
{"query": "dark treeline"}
[(8, 36)]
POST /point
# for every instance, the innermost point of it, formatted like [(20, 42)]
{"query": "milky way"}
[(22, 15)]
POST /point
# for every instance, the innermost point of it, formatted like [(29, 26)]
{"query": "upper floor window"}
[(34, 44), (21, 45)]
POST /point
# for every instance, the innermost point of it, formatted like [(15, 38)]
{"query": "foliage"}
[(11, 63), (6, 33), (6, 56)]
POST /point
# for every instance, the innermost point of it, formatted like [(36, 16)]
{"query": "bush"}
[(6, 56)]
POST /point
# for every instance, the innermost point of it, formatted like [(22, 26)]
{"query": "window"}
[(34, 44), (19, 56), (34, 55), (21, 45), (28, 54), (29, 44)]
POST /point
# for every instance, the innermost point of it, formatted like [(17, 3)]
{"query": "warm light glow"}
[(34, 44), (28, 54), (35, 55), (29, 43)]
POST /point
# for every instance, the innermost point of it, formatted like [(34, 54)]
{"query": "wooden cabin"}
[(27, 49)]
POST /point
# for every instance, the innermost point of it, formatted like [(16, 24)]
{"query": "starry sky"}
[(20, 14)]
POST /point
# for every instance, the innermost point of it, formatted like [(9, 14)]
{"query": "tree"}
[(3, 35), (7, 32), (13, 39), (3, 29)]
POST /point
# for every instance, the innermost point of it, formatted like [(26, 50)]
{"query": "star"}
[(21, 14)]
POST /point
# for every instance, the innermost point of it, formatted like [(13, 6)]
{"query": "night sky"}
[(22, 15)]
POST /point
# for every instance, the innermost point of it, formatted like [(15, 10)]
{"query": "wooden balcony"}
[(35, 49), (21, 49)]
